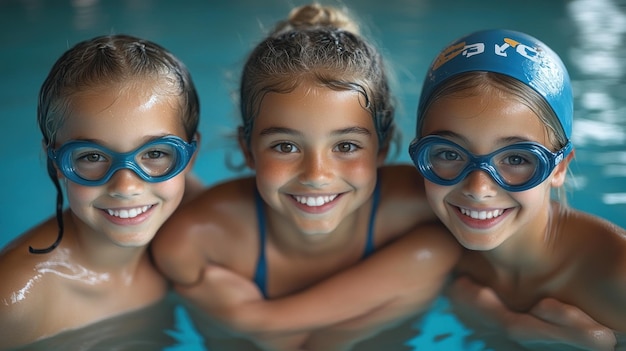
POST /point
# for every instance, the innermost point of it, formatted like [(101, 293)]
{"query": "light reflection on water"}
[(599, 57)]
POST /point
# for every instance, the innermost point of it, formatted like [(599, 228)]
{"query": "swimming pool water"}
[(213, 38)]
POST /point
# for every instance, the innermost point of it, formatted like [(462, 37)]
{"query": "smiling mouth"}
[(315, 201), (481, 214), (129, 213)]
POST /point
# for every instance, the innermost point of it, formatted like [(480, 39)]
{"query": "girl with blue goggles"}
[(527, 250), (90, 164)]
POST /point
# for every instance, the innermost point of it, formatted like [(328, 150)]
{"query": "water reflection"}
[(85, 13), (145, 329), (597, 58)]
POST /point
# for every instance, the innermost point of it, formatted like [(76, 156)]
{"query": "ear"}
[(44, 147), (245, 150), (560, 171), (198, 138)]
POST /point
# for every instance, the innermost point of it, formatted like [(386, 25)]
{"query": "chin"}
[(477, 245), (133, 242)]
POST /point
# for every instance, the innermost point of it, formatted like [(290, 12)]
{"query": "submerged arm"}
[(550, 323)]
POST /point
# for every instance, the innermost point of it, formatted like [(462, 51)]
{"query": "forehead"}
[(122, 115), (311, 105), (485, 117)]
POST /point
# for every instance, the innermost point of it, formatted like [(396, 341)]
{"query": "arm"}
[(550, 322), (425, 257), (175, 249), (397, 281)]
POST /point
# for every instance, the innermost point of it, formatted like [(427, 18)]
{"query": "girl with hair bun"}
[(329, 240)]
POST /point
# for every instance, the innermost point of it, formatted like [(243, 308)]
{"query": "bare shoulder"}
[(403, 204), (600, 244), (431, 242), (597, 251), (591, 231), (17, 263), (207, 229), (24, 288), (222, 204)]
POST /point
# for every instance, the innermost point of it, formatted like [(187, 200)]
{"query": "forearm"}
[(344, 335), (363, 297), (550, 324)]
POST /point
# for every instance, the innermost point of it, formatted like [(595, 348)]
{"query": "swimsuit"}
[(260, 275)]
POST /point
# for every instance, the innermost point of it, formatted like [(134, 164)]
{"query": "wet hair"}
[(103, 62), (318, 44)]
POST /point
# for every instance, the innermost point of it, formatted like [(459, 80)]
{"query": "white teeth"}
[(131, 213), (314, 201), (481, 214)]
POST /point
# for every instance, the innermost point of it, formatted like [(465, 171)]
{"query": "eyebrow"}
[(344, 131), (505, 140), (144, 140)]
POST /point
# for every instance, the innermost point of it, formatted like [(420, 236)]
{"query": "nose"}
[(125, 183), (316, 170), (479, 185)]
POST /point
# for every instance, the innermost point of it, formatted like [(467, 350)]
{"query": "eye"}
[(346, 147), (447, 155), (515, 160), (285, 147), (91, 157), (155, 154), (518, 159)]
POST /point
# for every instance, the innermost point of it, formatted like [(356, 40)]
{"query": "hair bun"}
[(315, 16)]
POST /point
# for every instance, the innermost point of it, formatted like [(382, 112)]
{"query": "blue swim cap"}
[(511, 53)]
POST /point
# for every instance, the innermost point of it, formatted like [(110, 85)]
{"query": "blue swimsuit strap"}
[(260, 275), (369, 245)]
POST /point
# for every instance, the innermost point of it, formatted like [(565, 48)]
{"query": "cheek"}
[(170, 191), (365, 162), (533, 198), (80, 198), (435, 193), (271, 171), (366, 172), (80, 195)]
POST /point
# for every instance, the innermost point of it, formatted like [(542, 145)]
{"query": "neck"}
[(530, 252), (97, 252), (349, 233)]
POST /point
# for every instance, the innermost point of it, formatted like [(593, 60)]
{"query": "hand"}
[(550, 324), (567, 324)]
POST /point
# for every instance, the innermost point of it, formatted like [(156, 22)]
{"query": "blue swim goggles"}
[(90, 164), (516, 167)]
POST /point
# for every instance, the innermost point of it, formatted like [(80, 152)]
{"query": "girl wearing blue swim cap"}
[(493, 141)]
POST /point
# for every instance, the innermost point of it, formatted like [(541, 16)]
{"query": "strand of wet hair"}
[(59, 212)]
